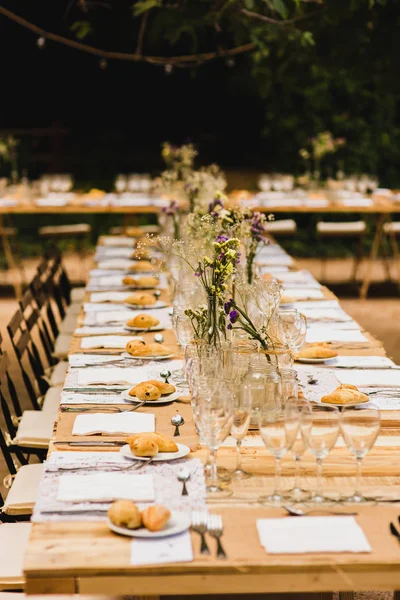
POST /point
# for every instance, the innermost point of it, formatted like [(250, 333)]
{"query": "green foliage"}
[(81, 29), (143, 6)]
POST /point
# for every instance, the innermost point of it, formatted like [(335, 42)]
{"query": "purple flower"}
[(233, 316), (216, 202), (172, 209), (227, 307), (221, 238), (229, 326)]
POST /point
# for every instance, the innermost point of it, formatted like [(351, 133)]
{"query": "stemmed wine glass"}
[(278, 429), (213, 417), (293, 328), (297, 493), (242, 404), (320, 429), (360, 427)]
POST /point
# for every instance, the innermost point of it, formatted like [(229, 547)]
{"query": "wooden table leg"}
[(381, 218)]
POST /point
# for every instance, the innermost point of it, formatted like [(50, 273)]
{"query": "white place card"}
[(108, 341), (370, 377), (120, 423), (106, 487), (362, 362), (172, 549), (307, 293), (312, 534)]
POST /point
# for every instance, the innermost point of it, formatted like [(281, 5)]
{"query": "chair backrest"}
[(21, 343), (41, 289), (35, 323)]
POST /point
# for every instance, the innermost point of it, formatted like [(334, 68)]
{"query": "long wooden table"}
[(88, 558)]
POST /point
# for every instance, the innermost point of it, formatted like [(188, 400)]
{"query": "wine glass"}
[(297, 493), (293, 328), (278, 429), (242, 404), (214, 420), (120, 184), (320, 430), (360, 427), (183, 330)]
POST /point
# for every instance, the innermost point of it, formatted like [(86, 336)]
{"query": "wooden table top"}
[(88, 558)]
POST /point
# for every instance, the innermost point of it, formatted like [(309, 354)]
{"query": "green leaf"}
[(249, 4), (280, 7), (81, 29), (307, 39), (143, 6)]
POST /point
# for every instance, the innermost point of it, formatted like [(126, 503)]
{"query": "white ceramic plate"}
[(161, 456), (127, 355), (163, 400), (158, 304), (340, 406), (159, 327), (314, 361), (177, 523)]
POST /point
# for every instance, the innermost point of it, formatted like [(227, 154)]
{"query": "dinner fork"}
[(215, 529), (117, 409), (199, 525)]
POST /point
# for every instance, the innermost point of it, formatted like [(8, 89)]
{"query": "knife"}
[(111, 443)]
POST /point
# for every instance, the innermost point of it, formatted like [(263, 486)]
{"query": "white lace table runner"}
[(168, 489)]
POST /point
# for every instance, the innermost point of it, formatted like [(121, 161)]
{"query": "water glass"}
[(240, 426), (320, 429), (360, 427)]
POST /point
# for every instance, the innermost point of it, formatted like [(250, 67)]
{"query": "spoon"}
[(157, 293), (177, 421), (184, 476), (165, 374), (311, 380), (298, 512), (159, 338)]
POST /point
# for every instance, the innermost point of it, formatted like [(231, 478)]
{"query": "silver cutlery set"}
[(202, 523)]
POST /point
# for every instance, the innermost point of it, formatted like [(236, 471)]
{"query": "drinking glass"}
[(240, 426), (297, 493), (360, 427), (293, 328), (320, 430), (278, 429), (289, 385), (120, 183), (214, 420), (183, 330)]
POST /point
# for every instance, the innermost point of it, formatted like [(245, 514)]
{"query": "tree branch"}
[(112, 55), (254, 15), (142, 30)]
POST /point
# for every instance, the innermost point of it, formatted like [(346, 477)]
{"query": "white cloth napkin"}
[(306, 292), (108, 341), (370, 377), (329, 334), (51, 202), (133, 375), (363, 362), (94, 307), (107, 330), (117, 241), (115, 263), (173, 549), (279, 260), (312, 534), (325, 314), (98, 297), (105, 487), (126, 422)]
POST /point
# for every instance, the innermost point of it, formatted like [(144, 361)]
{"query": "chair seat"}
[(8, 231), (73, 310), (62, 345), (58, 374), (77, 295), (51, 401), (283, 226), (13, 541), (60, 230), (393, 227), (23, 493), (69, 324), (349, 228), (35, 428)]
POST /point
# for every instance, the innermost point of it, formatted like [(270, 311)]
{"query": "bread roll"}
[(140, 299), (144, 446), (317, 350), (133, 231), (143, 321), (345, 394), (164, 444), (147, 281), (142, 266), (155, 517), (138, 349), (145, 391), (165, 388), (159, 350), (141, 254), (125, 513)]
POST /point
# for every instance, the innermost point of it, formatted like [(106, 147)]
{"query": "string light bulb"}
[(230, 63), (103, 64), (168, 69), (41, 42)]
